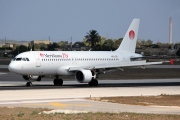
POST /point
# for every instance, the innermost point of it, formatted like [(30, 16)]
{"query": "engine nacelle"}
[(35, 77), (84, 76), (32, 77)]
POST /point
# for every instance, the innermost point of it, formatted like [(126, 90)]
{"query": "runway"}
[(11, 81), (71, 97), (3, 66)]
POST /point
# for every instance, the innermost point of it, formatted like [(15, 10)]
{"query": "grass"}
[(33, 114), (18, 113)]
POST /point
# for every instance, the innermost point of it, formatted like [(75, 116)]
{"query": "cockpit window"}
[(18, 59), (23, 59)]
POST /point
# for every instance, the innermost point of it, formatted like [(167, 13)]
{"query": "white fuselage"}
[(59, 62)]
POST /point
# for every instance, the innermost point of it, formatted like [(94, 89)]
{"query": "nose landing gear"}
[(58, 82), (29, 84)]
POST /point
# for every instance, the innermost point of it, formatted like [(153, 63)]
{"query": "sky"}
[(60, 19)]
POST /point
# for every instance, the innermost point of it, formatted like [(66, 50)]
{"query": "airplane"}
[(84, 65)]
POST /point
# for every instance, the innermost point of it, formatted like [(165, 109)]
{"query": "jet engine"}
[(84, 76), (32, 77)]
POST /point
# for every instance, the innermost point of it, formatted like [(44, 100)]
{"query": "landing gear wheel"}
[(58, 82), (93, 82), (28, 84), (90, 83)]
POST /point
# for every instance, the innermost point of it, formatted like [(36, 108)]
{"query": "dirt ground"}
[(162, 100)]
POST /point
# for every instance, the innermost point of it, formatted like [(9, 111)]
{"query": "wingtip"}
[(172, 61)]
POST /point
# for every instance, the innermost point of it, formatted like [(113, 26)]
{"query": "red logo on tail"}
[(131, 34)]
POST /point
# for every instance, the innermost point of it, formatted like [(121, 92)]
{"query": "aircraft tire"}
[(58, 82), (90, 83), (29, 84), (93, 82)]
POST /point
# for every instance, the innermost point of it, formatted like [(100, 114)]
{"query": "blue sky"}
[(61, 19)]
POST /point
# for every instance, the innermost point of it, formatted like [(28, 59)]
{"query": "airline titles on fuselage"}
[(64, 55), (114, 56)]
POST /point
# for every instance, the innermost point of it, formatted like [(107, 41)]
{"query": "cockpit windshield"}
[(20, 59), (23, 59)]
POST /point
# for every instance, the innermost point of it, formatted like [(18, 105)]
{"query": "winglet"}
[(172, 61)]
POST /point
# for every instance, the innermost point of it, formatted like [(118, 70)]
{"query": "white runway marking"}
[(64, 111), (38, 101), (2, 73)]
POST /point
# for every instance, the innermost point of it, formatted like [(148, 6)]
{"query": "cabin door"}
[(38, 61)]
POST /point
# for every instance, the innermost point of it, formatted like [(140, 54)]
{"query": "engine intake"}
[(84, 76)]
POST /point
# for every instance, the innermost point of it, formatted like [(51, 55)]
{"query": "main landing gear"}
[(93, 82), (58, 82)]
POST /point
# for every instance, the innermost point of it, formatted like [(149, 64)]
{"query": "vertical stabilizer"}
[(130, 38)]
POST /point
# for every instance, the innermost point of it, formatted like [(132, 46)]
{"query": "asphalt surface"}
[(11, 81), (71, 97), (3, 66)]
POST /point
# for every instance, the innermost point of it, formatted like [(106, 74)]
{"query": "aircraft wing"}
[(124, 64), (154, 57), (130, 64)]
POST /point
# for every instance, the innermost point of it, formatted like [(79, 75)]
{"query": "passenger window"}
[(18, 59)]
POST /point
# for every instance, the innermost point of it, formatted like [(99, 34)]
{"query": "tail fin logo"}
[(131, 34)]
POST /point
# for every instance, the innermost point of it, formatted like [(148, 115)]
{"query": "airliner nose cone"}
[(11, 67)]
